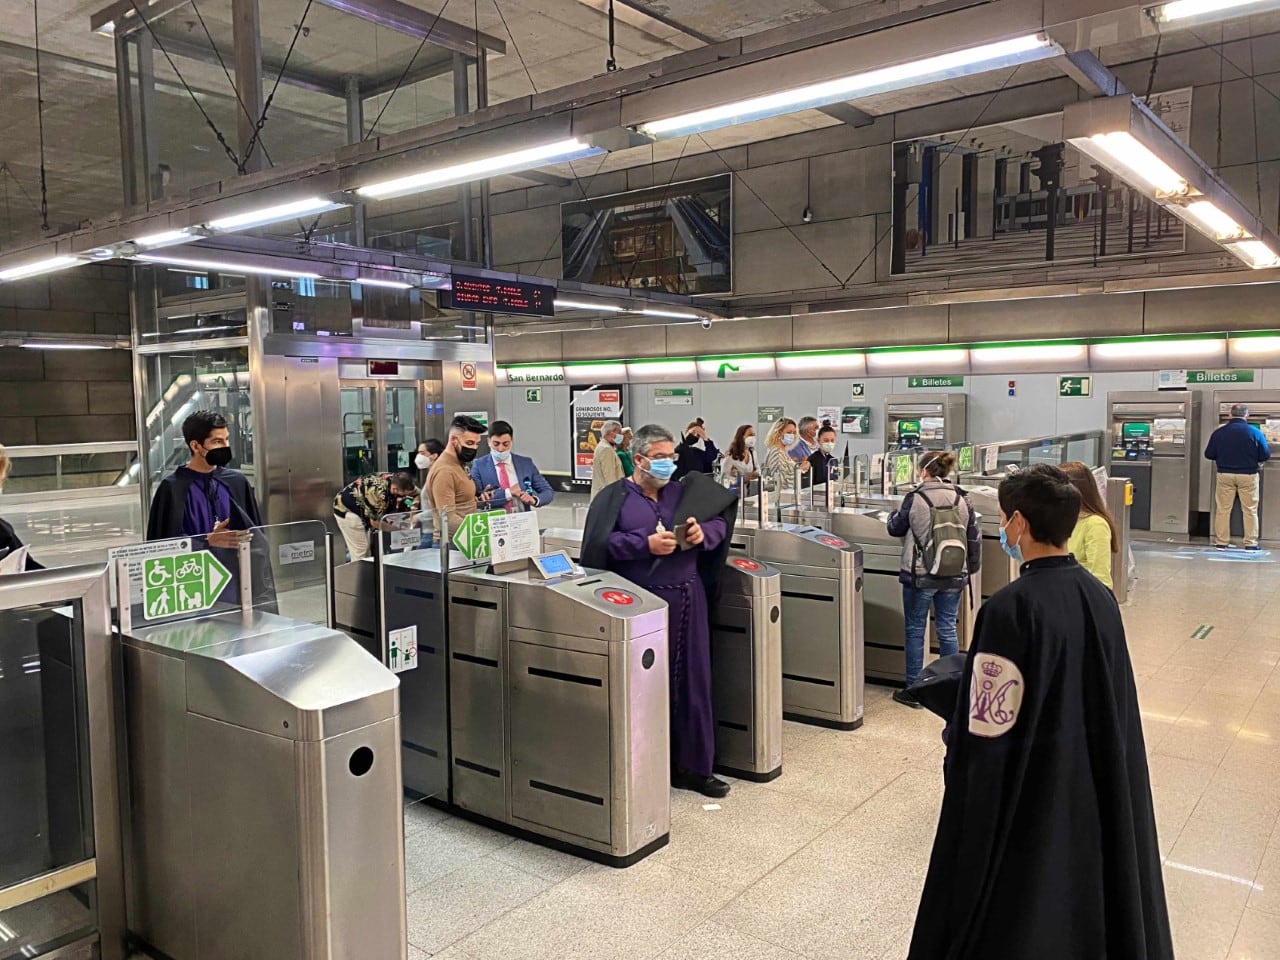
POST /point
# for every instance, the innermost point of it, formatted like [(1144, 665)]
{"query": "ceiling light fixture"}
[(38, 267), (822, 361), (167, 238), (1255, 253), (670, 314), (946, 66), (930, 359), (1255, 345), (1030, 353), (1124, 155), (53, 345), (1133, 349), (389, 284), (1208, 9), (577, 305), (274, 214), (218, 266), (1211, 221), (516, 161)]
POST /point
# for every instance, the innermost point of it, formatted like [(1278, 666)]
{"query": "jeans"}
[(915, 606)]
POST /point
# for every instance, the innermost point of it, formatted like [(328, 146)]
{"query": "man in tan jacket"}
[(605, 465), (449, 484)]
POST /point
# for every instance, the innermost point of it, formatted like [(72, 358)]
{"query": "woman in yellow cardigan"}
[(1094, 541)]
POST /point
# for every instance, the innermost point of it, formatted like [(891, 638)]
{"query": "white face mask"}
[(422, 461), (751, 443), (829, 448), (502, 456)]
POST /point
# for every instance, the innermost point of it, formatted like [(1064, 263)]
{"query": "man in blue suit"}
[(512, 478)]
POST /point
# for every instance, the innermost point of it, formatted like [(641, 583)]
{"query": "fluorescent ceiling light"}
[(829, 361), (168, 238), (235, 269), (1122, 153), (513, 162), (663, 369), (918, 358), (1134, 349), (1211, 221), (274, 214), (389, 284), (47, 345), (671, 314), (1059, 352), (990, 56), (595, 372), (38, 267), (581, 305), (1255, 253), (735, 366), (1191, 9), (1255, 345)]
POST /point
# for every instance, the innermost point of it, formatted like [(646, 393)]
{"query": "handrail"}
[(70, 449)]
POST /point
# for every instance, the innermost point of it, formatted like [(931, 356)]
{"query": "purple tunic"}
[(675, 579), (208, 501)]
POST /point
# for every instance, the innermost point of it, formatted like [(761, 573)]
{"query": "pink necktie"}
[(504, 480)]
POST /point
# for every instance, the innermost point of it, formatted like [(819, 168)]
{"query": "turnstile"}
[(823, 667), (746, 661), (265, 787), (746, 670), (559, 717)]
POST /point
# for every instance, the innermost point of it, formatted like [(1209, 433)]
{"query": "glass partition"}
[(1086, 447), (291, 570)]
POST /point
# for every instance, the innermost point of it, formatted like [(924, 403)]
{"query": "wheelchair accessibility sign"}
[(186, 583)]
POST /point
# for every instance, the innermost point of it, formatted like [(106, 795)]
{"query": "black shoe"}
[(1254, 549), (907, 700), (712, 787), (1223, 546)]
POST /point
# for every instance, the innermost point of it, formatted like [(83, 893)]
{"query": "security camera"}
[(706, 323)]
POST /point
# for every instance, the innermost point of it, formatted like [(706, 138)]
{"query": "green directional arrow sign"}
[(185, 583), (472, 536), (726, 368)]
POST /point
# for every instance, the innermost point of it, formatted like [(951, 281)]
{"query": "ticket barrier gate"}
[(265, 787), (746, 659), (559, 715)]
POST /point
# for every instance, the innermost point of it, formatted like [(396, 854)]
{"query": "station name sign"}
[(540, 375)]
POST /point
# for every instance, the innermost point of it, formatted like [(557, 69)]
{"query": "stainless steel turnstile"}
[(746, 670), (265, 786), (823, 667), (559, 716), (746, 661)]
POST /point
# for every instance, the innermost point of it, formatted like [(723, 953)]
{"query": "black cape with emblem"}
[(1046, 846), (702, 499)]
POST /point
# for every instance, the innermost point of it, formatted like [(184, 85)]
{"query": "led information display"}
[(502, 296)]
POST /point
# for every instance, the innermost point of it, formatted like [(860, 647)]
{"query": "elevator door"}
[(380, 425)]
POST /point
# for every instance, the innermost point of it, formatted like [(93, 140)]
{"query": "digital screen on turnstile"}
[(555, 564)]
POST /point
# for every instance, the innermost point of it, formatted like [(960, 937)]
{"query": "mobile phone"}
[(682, 536)]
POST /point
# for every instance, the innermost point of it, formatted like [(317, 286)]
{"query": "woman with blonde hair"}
[(1095, 539), (778, 464), (9, 542)]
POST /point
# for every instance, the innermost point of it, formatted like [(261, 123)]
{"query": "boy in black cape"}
[(1046, 846)]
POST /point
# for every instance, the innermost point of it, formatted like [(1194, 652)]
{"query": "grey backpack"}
[(945, 551)]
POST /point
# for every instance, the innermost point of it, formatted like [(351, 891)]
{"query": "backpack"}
[(945, 552)]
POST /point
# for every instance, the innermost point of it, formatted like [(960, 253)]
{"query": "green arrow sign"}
[(726, 368), (472, 536), (964, 459), (186, 583), (1075, 386)]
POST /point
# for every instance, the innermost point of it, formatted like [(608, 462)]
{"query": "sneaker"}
[(712, 787), (1254, 549), (1223, 546), (907, 700)]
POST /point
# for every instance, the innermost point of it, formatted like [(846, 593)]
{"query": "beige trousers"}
[(354, 532), (1230, 486)]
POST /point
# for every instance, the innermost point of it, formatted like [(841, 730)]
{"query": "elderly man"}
[(1239, 450), (808, 441), (606, 468), (671, 539)]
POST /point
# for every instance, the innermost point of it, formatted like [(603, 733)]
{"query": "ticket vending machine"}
[(1264, 413), (925, 421), (1155, 444)]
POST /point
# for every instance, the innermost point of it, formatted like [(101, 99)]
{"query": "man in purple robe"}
[(671, 539)]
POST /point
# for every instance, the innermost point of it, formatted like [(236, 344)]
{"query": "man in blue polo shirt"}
[(1239, 449)]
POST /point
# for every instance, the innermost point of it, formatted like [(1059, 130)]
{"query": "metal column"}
[(482, 101), (247, 31), (355, 133), (462, 105), (124, 107), (146, 128)]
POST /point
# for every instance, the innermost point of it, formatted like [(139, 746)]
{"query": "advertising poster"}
[(589, 409)]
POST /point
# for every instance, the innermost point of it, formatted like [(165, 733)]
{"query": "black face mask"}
[(218, 456), (466, 454)]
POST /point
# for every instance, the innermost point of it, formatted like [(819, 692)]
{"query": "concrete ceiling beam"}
[(1091, 75), (406, 19)]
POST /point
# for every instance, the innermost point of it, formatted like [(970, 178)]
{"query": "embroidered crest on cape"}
[(995, 695)]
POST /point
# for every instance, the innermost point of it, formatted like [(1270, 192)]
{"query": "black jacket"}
[(169, 505), (9, 541), (702, 499), (691, 459)]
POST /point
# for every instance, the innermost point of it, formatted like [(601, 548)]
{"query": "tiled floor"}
[(827, 862)]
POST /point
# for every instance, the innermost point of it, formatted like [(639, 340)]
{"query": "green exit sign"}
[(932, 383), (1075, 386)]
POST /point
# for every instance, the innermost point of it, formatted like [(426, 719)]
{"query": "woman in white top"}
[(740, 459), (778, 464)]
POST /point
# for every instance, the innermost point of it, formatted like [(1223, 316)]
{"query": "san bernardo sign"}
[(522, 375)]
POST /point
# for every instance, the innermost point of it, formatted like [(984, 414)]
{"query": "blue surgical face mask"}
[(1012, 549), (789, 439), (661, 470), (502, 456)]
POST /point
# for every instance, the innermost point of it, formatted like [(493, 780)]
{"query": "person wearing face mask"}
[(363, 503), (1046, 845), (449, 485), (803, 448), (671, 539), (740, 462), (941, 550), (205, 497), (606, 467), (428, 451), (624, 453), (779, 467), (9, 540), (822, 462), (696, 451), (515, 481)]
